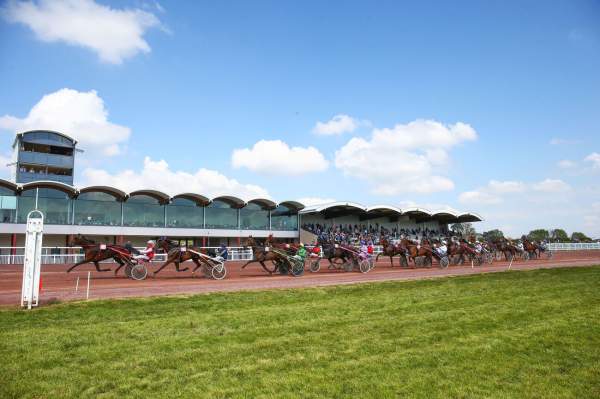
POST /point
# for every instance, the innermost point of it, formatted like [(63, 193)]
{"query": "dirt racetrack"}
[(58, 285)]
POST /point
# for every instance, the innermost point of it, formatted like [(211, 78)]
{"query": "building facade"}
[(43, 155)]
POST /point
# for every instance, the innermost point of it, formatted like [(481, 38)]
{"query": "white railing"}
[(69, 255), (573, 246)]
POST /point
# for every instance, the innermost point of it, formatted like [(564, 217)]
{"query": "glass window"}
[(254, 217), (8, 205), (97, 209), (184, 213), (220, 215), (143, 211), (284, 218), (54, 204)]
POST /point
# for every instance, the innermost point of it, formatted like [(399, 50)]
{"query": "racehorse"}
[(94, 253), (332, 252), (532, 249), (455, 249), (177, 255), (261, 255), (416, 250), (392, 250)]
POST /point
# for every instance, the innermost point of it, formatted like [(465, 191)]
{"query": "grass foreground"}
[(511, 335)]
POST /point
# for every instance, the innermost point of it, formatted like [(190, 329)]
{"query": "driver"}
[(148, 253), (301, 253), (222, 254)]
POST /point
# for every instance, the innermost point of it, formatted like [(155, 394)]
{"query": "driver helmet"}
[(151, 243), (301, 244)]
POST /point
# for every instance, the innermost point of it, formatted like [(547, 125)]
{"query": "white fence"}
[(573, 246), (70, 255)]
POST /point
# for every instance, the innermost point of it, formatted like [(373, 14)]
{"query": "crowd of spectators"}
[(370, 234)]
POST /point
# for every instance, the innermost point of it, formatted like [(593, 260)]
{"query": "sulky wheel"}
[(297, 267), (139, 272), (218, 272), (364, 266), (283, 266), (444, 262), (403, 261), (549, 254), (127, 270), (489, 258), (499, 255), (315, 266), (525, 255)]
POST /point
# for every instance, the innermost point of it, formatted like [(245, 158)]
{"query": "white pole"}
[(77, 285), (87, 294)]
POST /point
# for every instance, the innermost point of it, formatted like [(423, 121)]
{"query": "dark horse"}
[(95, 253), (415, 251), (392, 250), (177, 254), (261, 255)]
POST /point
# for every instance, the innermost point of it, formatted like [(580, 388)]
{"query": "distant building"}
[(43, 155)]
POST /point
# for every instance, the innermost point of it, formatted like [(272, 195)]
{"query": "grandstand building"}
[(110, 215)]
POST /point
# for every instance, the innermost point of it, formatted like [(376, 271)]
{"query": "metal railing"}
[(573, 246), (69, 255)]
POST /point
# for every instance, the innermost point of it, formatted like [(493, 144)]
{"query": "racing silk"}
[(370, 250), (301, 252), (149, 252), (364, 249), (442, 249), (223, 253), (316, 250)]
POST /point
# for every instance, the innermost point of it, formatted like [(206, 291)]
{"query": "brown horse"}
[(531, 248), (392, 250), (177, 254), (261, 255), (95, 253), (417, 250)]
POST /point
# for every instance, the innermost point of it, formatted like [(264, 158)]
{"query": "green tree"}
[(463, 229), (559, 235), (538, 235), (580, 237), (493, 235)]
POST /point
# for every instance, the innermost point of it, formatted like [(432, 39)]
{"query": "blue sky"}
[(480, 106)]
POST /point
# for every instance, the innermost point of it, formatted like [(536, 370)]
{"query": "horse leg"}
[(262, 263), (177, 267), (247, 263), (121, 264), (198, 265), (98, 267), (391, 260), (77, 264), (169, 261)]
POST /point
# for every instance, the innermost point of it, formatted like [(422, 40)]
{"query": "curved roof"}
[(264, 203), (417, 211), (158, 195), (232, 201), (384, 209), (469, 217), (10, 185), (332, 205), (292, 205), (115, 192), (200, 200), (50, 184), (49, 131)]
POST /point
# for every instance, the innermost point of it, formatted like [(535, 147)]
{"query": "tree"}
[(559, 235), (463, 229), (493, 235), (538, 235), (580, 237)]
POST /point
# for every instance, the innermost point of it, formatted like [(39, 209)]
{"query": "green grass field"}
[(516, 334)]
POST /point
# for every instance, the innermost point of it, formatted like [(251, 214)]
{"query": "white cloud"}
[(478, 197), (339, 124), (309, 201), (502, 187), (496, 191), (405, 158), (114, 34), (81, 115), (551, 186), (594, 159), (157, 175), (274, 157), (566, 164)]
